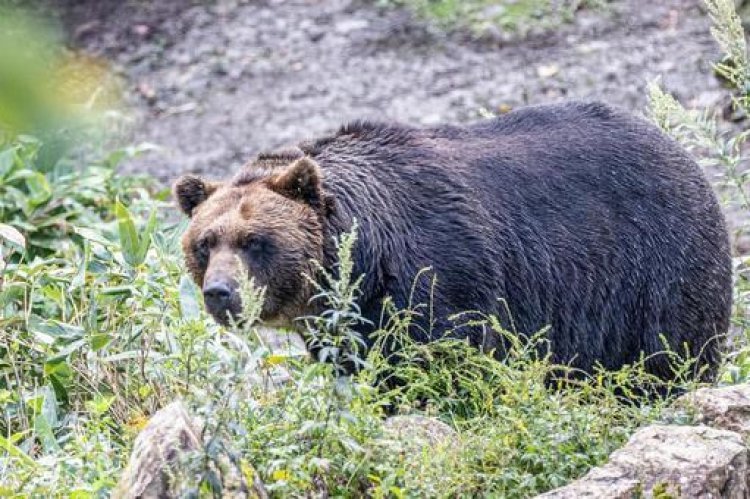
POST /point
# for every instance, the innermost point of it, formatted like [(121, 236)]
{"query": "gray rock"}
[(157, 464), (282, 342), (417, 432), (683, 461), (346, 26), (170, 432), (727, 408)]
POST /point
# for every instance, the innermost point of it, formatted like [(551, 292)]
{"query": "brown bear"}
[(577, 216)]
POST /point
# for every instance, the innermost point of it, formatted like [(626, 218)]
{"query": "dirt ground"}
[(215, 82)]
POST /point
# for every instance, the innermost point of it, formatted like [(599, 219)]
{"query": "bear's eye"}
[(202, 250), (257, 246)]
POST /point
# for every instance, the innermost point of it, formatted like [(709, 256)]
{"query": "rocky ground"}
[(215, 82)]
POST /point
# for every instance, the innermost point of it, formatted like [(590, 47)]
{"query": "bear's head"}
[(265, 224)]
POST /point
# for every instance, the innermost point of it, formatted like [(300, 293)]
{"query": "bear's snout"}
[(222, 299)]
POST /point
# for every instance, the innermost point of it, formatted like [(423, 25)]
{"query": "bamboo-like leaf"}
[(12, 235), (14, 451), (145, 239), (129, 241), (189, 303)]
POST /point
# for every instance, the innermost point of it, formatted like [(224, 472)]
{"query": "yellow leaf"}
[(280, 475), (137, 423), (248, 471), (274, 360)]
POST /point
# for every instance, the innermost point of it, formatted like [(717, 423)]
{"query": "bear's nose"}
[(217, 296)]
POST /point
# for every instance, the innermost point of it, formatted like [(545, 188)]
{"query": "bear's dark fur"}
[(577, 216)]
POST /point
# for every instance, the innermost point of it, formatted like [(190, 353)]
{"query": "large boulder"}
[(680, 461), (422, 447), (727, 408), (417, 432), (159, 464)]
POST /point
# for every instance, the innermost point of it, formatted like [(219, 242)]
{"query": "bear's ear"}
[(190, 191), (300, 181)]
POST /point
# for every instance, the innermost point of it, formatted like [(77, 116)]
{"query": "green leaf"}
[(134, 247), (80, 277), (58, 381), (93, 236), (39, 189), (189, 303), (129, 241), (43, 431), (131, 355), (14, 451), (13, 236), (58, 374), (100, 404), (49, 329), (44, 407), (35, 403), (99, 341), (63, 354), (145, 241), (7, 161), (49, 405)]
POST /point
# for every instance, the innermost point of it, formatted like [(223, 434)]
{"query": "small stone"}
[(147, 91), (590, 47), (431, 119), (348, 25), (547, 70), (141, 30)]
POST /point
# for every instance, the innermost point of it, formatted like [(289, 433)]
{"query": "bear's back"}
[(578, 216)]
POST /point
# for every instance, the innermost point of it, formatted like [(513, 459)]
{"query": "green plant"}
[(72, 267), (729, 33), (515, 16), (722, 151), (48, 199)]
